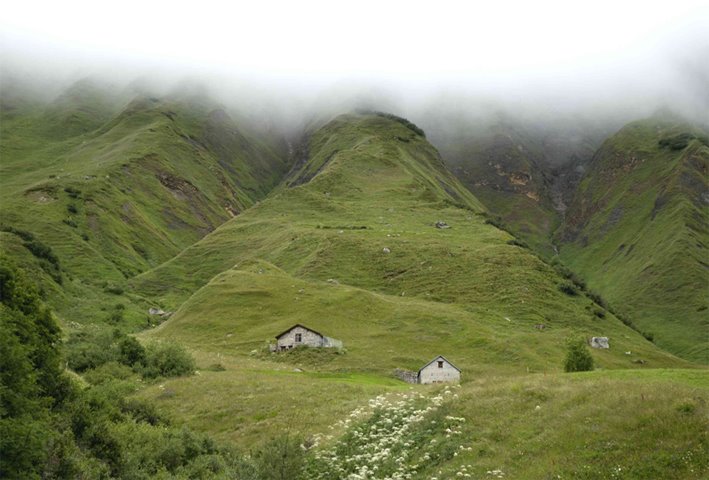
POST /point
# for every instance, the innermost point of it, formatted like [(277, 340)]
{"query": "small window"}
[(440, 364), (298, 337)]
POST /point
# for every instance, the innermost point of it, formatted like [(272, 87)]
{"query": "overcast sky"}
[(510, 46)]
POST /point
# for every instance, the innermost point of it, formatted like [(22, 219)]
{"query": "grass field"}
[(606, 424)]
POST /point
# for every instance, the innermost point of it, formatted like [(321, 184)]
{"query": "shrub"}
[(578, 358), (517, 243), (495, 222), (649, 336), (23, 234), (108, 372), (677, 142), (131, 352), (85, 355), (568, 289), (626, 321), (92, 347), (596, 297), (71, 208), (143, 411), (72, 192), (40, 250), (167, 360), (280, 459)]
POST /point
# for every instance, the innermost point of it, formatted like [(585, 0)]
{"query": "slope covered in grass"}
[(638, 231), (360, 233), (522, 167), (352, 251), (122, 185)]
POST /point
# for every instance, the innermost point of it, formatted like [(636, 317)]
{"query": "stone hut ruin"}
[(300, 335), (599, 342)]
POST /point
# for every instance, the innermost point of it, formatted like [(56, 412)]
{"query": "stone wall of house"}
[(308, 338), (433, 374), (406, 375), (330, 342)]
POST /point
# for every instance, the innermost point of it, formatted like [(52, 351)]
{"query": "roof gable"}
[(435, 359), (301, 326)]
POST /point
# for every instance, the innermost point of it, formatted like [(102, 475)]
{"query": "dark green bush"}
[(40, 250), (167, 360), (677, 142), (108, 372), (578, 358), (568, 289), (596, 297), (567, 273), (71, 208), (143, 411), (73, 192), (131, 352), (23, 234), (280, 459), (83, 355), (495, 222), (50, 428), (518, 243)]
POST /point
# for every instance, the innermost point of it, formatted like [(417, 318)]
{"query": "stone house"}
[(300, 335), (438, 370)]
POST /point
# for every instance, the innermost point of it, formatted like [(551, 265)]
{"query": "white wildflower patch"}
[(496, 473), (392, 438)]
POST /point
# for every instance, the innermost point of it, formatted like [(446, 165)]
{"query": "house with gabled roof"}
[(438, 370), (300, 335)]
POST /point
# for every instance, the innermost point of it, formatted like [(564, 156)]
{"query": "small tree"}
[(280, 459), (578, 358), (167, 360), (131, 352)]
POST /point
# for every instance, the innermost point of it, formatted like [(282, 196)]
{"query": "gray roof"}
[(298, 325), (436, 358)]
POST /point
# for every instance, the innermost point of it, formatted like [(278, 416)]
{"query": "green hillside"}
[(314, 252), (169, 202), (638, 231), (100, 188)]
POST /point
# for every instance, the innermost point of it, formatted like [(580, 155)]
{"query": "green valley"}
[(174, 239)]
